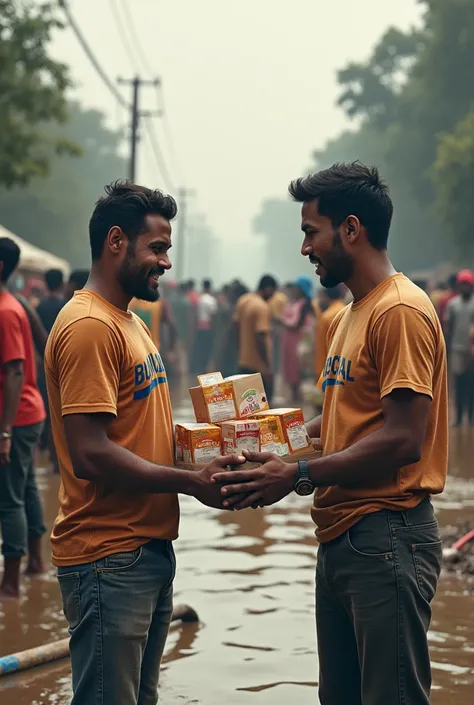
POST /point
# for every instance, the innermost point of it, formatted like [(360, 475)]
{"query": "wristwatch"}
[(5, 436), (303, 485)]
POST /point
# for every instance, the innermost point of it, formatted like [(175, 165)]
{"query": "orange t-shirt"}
[(100, 359), (391, 339), (322, 327), (254, 316), (277, 304), (150, 313)]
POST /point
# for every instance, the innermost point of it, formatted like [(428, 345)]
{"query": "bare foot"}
[(8, 592), (35, 567)]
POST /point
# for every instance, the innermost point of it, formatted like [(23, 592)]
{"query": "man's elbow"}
[(86, 464), (409, 451)]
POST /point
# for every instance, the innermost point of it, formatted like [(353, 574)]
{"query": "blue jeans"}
[(21, 513), (119, 610)]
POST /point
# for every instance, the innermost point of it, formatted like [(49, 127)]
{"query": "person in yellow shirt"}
[(150, 314), (113, 431), (253, 321), (384, 433), (336, 303)]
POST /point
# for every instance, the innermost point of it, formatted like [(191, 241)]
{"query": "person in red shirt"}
[(446, 298), (22, 416)]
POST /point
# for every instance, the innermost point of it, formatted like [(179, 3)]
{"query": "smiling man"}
[(112, 425), (384, 432)]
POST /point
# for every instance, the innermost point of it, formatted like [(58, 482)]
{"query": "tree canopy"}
[(32, 92), (53, 212), (413, 102)]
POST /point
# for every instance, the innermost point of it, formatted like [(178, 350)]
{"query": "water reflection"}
[(250, 576)]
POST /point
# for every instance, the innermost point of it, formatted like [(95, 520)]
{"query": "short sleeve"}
[(263, 319), (87, 359), (404, 343), (12, 345)]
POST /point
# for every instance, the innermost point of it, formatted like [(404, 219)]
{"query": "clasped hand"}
[(256, 487)]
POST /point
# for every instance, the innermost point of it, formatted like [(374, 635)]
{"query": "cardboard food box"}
[(293, 428), (236, 397), (198, 442), (178, 443), (249, 394), (272, 438), (240, 435)]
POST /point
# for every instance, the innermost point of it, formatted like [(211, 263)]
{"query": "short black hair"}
[(126, 205), (79, 277), (10, 256), (54, 279), (349, 189), (207, 284), (267, 282)]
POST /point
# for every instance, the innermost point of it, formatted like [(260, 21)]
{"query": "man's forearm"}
[(314, 427), (13, 384), (117, 466), (370, 461)]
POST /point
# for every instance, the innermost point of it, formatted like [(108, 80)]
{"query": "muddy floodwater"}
[(250, 576)]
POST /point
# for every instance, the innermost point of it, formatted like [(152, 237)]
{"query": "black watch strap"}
[(303, 470)]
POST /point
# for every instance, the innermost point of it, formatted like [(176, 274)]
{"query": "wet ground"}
[(250, 576)]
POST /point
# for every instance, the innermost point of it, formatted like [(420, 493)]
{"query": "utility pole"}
[(183, 196), (136, 84)]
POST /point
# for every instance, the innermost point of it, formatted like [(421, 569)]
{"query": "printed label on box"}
[(298, 437), (251, 401), (206, 452)]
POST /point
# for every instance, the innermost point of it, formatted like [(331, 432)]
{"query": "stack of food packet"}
[(233, 415)]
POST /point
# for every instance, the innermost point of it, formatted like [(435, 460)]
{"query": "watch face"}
[(304, 487)]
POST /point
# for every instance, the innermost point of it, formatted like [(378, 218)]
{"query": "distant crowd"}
[(278, 330)]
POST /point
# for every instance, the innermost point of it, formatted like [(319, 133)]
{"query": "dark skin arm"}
[(262, 349), (12, 386), (314, 427), (98, 459), (369, 462)]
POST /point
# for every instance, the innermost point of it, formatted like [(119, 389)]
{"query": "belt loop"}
[(405, 518)]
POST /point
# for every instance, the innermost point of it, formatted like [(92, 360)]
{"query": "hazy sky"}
[(250, 89)]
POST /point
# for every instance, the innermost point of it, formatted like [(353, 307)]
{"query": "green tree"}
[(32, 91), (412, 100), (53, 212), (453, 176), (371, 90)]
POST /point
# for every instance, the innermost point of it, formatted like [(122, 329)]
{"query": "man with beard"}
[(384, 432), (112, 425)]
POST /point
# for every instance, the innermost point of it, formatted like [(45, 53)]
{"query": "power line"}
[(123, 34), (90, 55), (169, 134), (136, 42), (134, 49), (167, 180)]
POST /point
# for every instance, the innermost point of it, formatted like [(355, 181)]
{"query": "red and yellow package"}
[(200, 442)]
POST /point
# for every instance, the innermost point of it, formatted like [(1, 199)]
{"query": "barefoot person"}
[(384, 431), (112, 425), (22, 416)]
